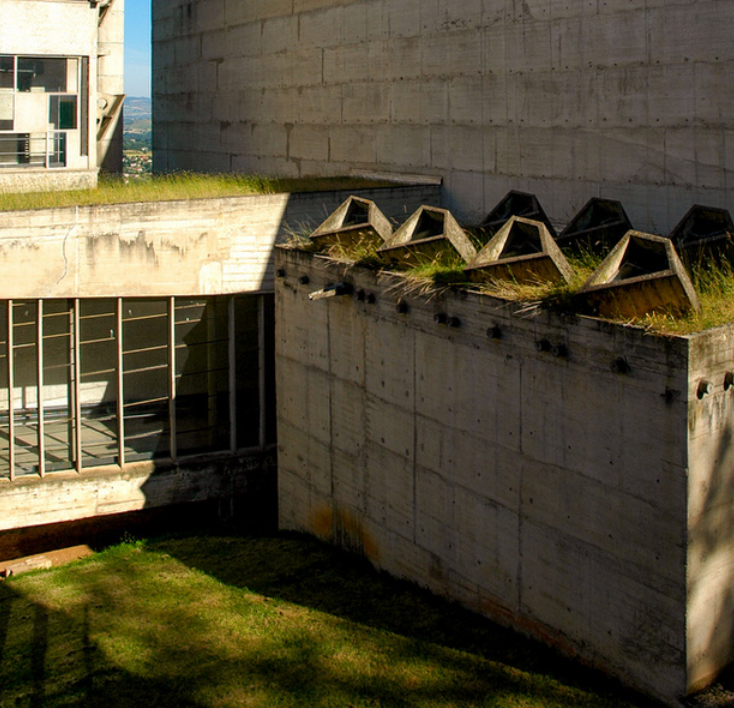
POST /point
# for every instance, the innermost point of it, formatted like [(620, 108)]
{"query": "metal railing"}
[(33, 149)]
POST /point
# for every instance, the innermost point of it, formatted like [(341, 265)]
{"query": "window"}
[(62, 112), (42, 104), (7, 97), (92, 382), (41, 74)]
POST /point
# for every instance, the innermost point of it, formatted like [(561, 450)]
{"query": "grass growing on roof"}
[(714, 284), (179, 185), (712, 280), (212, 621)]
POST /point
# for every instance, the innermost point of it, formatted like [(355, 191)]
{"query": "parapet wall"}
[(192, 247), (529, 481)]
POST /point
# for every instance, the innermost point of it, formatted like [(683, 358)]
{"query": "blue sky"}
[(137, 47)]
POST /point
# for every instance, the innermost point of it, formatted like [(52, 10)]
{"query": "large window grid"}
[(91, 382), (57, 83)]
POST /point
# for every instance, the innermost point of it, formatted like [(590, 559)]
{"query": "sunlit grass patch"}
[(179, 185), (268, 622)]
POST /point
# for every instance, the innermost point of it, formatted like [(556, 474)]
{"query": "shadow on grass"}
[(269, 622), (301, 570), (48, 659)]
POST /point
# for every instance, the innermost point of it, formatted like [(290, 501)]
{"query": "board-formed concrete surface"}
[(615, 99), (192, 247), (579, 491)]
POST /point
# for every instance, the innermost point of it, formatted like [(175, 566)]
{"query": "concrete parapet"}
[(641, 274), (523, 251), (598, 226), (354, 221), (192, 247), (429, 233), (704, 231), (515, 203)]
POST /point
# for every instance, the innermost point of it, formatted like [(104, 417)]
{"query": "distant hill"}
[(137, 108), (137, 124)]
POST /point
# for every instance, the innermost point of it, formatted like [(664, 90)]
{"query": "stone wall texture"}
[(586, 507), (608, 98)]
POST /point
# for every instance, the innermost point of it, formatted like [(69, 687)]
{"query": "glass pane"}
[(57, 153), (41, 74), (247, 370), (7, 75), (98, 381), (145, 378), (7, 110), (270, 407), (23, 149), (62, 112), (202, 375), (25, 386), (58, 384)]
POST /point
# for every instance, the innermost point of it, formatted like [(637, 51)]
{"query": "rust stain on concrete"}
[(345, 529)]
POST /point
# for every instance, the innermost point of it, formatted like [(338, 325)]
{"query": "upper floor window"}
[(43, 111)]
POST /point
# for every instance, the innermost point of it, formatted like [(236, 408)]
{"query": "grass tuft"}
[(712, 280)]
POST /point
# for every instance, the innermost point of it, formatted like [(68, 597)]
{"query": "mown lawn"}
[(262, 621)]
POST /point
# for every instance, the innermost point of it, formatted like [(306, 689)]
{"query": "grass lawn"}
[(262, 621), (180, 185)]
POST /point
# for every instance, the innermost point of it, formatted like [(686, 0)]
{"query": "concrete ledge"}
[(30, 180), (102, 491), (192, 247)]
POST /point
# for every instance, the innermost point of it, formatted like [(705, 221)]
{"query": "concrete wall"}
[(195, 247), (622, 100), (710, 620), (589, 508), (106, 491), (111, 81), (48, 27)]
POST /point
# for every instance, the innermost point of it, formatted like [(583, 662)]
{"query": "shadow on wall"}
[(711, 536)]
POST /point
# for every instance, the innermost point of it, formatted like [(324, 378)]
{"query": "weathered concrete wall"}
[(710, 617), (196, 247), (104, 491), (46, 180), (49, 27), (545, 491), (630, 101), (111, 82)]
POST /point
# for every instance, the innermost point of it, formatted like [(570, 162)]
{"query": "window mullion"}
[(120, 391), (172, 376), (11, 386), (77, 388), (39, 390)]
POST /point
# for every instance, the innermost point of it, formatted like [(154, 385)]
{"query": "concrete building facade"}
[(61, 92), (629, 101), (136, 353)]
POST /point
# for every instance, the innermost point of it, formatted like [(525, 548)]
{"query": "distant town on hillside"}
[(137, 136)]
